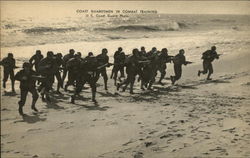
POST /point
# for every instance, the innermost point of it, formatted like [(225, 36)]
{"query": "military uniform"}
[(178, 61), (153, 67), (208, 57), (103, 59), (72, 67), (47, 68), (88, 73), (132, 69), (27, 84), (35, 59), (9, 64), (66, 58), (59, 63), (119, 59), (163, 59)]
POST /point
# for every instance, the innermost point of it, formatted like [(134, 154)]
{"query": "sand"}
[(195, 118)]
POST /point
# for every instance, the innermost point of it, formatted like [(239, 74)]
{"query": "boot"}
[(20, 110), (199, 73), (34, 108), (172, 79), (13, 87), (72, 99)]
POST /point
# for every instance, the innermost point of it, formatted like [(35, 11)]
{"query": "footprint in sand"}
[(5, 109), (129, 142), (11, 142), (152, 132), (66, 125), (34, 129)]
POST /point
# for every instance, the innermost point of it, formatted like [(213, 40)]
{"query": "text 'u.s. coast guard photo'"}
[(125, 79)]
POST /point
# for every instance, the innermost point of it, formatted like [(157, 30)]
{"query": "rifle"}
[(142, 61), (16, 67), (105, 65), (189, 62), (170, 58), (38, 77)]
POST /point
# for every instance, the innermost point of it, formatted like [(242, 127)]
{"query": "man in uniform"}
[(47, 68), (59, 63), (88, 73), (163, 59), (143, 51), (102, 60), (65, 60), (178, 61), (35, 59), (119, 59), (153, 67), (73, 66), (208, 57), (132, 69), (27, 84), (9, 64)]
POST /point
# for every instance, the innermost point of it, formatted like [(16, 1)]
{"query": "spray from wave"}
[(173, 26), (39, 30)]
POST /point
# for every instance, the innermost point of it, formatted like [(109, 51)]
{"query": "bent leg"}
[(22, 101)]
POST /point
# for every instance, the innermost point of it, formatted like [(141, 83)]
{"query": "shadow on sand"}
[(204, 82), (53, 105), (31, 119), (96, 106), (6, 93)]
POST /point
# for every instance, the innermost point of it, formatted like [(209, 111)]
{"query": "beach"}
[(195, 118)]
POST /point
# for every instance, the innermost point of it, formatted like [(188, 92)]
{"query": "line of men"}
[(89, 69)]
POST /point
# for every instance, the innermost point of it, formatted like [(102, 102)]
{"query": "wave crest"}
[(39, 30), (173, 26)]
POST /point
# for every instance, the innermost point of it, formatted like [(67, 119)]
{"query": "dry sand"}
[(196, 118)]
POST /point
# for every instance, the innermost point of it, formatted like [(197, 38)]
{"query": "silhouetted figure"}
[(35, 59), (102, 60), (9, 64), (208, 57), (26, 76)]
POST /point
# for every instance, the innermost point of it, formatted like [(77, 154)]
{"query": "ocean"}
[(35, 31)]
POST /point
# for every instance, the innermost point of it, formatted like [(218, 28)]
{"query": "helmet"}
[(90, 54), (181, 51), (59, 55), (165, 50), (50, 53), (104, 50), (142, 48), (38, 52), (213, 48), (26, 64), (10, 55), (120, 49), (71, 51), (135, 51)]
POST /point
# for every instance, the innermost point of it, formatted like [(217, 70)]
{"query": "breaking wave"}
[(173, 26), (39, 30)]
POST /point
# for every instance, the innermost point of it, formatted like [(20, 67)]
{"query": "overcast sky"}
[(66, 8)]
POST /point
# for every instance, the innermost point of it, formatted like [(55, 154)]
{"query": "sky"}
[(45, 9)]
